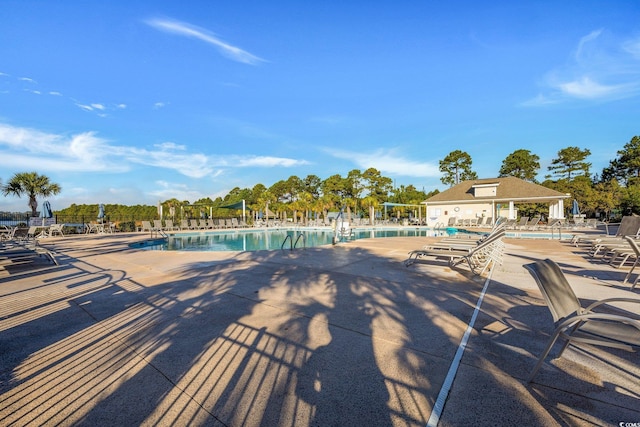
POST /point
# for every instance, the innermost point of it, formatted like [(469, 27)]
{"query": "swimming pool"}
[(270, 239)]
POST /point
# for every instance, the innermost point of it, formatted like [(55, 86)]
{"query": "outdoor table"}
[(99, 228)]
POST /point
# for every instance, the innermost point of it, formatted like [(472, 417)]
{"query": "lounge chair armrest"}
[(608, 300), (447, 247), (580, 318)]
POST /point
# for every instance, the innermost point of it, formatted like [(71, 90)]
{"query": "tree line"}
[(615, 189)]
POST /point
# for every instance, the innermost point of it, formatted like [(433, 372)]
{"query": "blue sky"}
[(140, 101)]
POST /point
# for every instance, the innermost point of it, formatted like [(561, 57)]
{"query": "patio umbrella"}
[(46, 211), (575, 209), (101, 211)]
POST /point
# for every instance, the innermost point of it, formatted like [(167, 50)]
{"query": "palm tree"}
[(326, 202), (267, 198), (32, 185), (305, 203), (372, 203)]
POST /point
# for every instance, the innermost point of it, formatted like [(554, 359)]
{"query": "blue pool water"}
[(270, 239)]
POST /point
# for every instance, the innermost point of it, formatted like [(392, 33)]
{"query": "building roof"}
[(507, 188)]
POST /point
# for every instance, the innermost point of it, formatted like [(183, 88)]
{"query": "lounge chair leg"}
[(628, 276), (409, 261), (543, 356)]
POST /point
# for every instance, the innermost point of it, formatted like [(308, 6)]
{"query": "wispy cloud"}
[(589, 89), (583, 45), (187, 30), (193, 165), (167, 190), (85, 107), (170, 146), (388, 162), (24, 147), (265, 161), (98, 108), (601, 68)]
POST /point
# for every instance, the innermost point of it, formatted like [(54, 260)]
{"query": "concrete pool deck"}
[(337, 335)]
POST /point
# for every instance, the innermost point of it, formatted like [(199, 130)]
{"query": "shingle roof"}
[(509, 188)]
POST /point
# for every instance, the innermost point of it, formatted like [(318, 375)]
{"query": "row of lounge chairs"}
[(479, 253), (618, 250), (527, 223), (192, 224), (524, 223), (471, 222)]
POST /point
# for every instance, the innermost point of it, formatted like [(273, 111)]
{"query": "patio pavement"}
[(332, 336)]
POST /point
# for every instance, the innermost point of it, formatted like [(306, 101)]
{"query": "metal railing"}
[(13, 219), (293, 245)]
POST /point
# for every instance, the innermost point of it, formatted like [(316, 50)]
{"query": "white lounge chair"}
[(25, 253), (168, 225), (146, 226), (532, 224), (522, 223), (56, 229), (7, 233)]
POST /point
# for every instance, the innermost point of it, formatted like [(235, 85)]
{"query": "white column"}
[(556, 209), (512, 212), (494, 214)]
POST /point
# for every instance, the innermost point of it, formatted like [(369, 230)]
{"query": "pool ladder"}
[(293, 245), (559, 227), (155, 233)]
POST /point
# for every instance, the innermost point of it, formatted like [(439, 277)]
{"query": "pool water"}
[(270, 239)]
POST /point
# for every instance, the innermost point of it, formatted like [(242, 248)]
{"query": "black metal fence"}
[(74, 223), (13, 219)]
